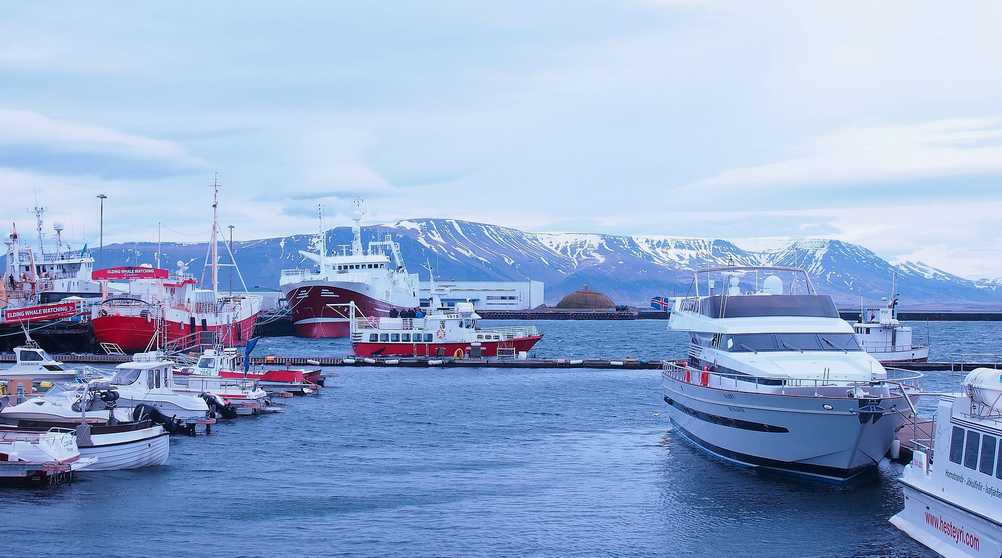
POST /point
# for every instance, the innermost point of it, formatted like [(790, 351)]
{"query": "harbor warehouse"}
[(487, 295)]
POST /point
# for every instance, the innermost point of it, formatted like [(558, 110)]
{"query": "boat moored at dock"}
[(454, 332), (776, 380), (47, 456), (953, 485), (881, 334)]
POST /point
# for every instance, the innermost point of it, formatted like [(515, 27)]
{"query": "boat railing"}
[(296, 274), (509, 332), (888, 348), (816, 387)]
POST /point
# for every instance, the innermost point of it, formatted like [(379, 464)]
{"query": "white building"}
[(487, 295)]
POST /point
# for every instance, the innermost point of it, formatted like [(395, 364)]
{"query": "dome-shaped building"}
[(586, 299)]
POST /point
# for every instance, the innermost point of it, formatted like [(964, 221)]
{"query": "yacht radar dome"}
[(772, 285)]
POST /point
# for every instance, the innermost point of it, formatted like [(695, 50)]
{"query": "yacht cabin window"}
[(31, 356), (373, 337), (125, 377), (205, 362), (428, 338), (384, 337), (395, 337), (405, 337), (767, 342)]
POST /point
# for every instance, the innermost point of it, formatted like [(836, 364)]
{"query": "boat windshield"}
[(772, 342), (125, 377), (206, 362)]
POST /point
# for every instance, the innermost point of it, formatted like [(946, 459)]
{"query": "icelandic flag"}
[(248, 349), (660, 303)]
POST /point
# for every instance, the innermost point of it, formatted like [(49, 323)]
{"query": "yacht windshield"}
[(767, 342), (206, 362), (125, 377)]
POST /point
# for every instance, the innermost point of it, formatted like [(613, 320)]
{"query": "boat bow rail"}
[(803, 387)]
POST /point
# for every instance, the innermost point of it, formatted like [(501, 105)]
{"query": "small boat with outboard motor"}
[(149, 380), (223, 363), (776, 380), (953, 495), (242, 394), (40, 456), (118, 437)]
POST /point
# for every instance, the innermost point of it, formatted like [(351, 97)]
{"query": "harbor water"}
[(470, 462)]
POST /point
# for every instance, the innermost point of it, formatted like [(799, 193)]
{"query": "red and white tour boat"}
[(376, 282), (453, 332), (155, 310)]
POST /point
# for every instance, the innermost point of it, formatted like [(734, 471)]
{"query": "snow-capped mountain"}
[(630, 269)]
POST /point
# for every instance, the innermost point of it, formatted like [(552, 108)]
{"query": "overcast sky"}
[(874, 122)]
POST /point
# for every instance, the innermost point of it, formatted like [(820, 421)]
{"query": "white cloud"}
[(942, 148), (46, 135)]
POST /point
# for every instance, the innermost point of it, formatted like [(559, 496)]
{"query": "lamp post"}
[(100, 253)]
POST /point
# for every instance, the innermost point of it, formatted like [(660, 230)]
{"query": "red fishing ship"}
[(153, 310)]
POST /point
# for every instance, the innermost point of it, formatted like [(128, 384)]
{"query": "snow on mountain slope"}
[(630, 269)]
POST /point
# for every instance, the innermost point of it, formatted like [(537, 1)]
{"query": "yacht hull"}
[(945, 528), (785, 433)]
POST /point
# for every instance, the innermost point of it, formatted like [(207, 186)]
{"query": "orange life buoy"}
[(704, 378), (458, 353)]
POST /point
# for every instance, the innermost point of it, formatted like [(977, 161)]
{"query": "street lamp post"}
[(100, 253)]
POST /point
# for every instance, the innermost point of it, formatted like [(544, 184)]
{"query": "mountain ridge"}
[(629, 268)]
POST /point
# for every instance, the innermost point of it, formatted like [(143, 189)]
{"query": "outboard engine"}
[(172, 425), (219, 406)]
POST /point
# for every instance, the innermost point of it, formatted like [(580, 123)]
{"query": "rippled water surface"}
[(469, 462)]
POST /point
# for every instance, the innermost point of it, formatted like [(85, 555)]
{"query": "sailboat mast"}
[(213, 249)]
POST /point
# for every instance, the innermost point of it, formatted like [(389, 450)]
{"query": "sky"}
[(878, 123)]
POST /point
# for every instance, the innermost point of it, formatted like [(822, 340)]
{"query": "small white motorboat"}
[(119, 438), (45, 457), (33, 363), (149, 380)]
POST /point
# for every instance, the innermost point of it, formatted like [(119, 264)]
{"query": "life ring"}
[(458, 353), (440, 334)]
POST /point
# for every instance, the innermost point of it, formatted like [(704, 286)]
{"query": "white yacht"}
[(775, 379), (953, 497), (33, 363)]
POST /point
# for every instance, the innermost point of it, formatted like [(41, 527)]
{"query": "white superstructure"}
[(775, 379), (486, 295), (953, 497)]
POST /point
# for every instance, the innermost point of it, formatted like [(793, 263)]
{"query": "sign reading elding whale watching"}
[(128, 272)]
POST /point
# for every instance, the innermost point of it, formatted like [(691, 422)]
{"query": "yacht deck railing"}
[(816, 387)]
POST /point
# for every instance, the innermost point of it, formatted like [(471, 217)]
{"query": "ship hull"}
[(133, 333), (460, 349), (319, 309)]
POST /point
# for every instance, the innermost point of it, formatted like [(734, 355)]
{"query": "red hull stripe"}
[(311, 310)]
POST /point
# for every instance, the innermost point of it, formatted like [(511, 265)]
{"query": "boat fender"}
[(688, 376), (704, 377)]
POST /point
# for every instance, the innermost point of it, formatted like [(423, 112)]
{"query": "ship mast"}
[(213, 249), (356, 228), (322, 238)]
